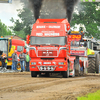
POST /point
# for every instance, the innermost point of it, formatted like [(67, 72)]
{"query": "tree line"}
[(87, 14), (4, 30)]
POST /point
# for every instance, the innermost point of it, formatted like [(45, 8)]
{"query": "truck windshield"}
[(78, 43), (3, 46), (47, 40), (19, 48)]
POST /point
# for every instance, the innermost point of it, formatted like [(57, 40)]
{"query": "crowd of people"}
[(24, 60)]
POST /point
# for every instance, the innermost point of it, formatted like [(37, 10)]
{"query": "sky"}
[(9, 10)]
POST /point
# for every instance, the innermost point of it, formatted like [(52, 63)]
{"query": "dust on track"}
[(15, 86)]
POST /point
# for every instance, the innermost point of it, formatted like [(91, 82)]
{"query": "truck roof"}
[(50, 27), (3, 38), (52, 21), (18, 42)]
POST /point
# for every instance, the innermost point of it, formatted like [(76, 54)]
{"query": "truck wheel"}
[(97, 63), (77, 68), (66, 73), (47, 74), (33, 74), (91, 65)]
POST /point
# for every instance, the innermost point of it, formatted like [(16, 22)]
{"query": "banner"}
[(5, 1), (90, 0)]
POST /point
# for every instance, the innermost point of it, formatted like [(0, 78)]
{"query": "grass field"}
[(91, 96)]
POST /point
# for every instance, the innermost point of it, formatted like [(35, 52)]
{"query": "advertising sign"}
[(5, 1)]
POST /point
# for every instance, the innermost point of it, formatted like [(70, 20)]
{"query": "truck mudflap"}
[(83, 64), (71, 66)]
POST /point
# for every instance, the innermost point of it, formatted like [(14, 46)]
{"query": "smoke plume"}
[(69, 6), (36, 6), (53, 8)]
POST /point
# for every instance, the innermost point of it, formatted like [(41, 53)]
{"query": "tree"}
[(4, 30), (22, 26), (90, 17)]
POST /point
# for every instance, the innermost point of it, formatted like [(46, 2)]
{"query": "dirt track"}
[(20, 86)]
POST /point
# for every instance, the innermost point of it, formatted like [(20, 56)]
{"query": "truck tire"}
[(33, 74), (91, 65), (97, 63), (66, 73), (77, 68), (47, 74)]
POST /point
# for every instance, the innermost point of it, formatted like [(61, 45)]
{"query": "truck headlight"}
[(33, 63)]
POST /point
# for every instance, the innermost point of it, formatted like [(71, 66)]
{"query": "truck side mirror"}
[(66, 40), (25, 47), (24, 51), (28, 39)]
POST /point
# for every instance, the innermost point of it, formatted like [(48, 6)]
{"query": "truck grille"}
[(46, 68), (47, 53)]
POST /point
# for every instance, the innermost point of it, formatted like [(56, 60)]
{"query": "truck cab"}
[(5, 47), (49, 47)]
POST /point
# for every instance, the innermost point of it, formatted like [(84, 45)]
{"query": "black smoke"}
[(68, 5), (36, 6)]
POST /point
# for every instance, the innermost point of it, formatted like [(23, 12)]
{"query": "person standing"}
[(27, 59), (3, 57), (14, 60), (6, 61), (22, 61)]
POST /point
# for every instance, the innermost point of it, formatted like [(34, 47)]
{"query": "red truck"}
[(18, 45), (78, 49), (49, 48)]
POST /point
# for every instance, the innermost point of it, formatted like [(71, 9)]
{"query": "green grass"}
[(91, 96)]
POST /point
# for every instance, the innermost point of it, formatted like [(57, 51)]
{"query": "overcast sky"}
[(9, 10)]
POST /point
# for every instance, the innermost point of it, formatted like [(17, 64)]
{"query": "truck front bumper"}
[(48, 65)]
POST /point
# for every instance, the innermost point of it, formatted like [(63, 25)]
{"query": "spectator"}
[(6, 61), (22, 61), (14, 60), (3, 57), (27, 59)]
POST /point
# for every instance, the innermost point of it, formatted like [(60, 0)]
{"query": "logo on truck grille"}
[(47, 53)]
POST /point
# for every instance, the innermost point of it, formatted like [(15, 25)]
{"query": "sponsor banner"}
[(48, 26), (90, 0), (47, 34), (75, 37), (80, 53), (78, 48), (5, 1), (47, 48)]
